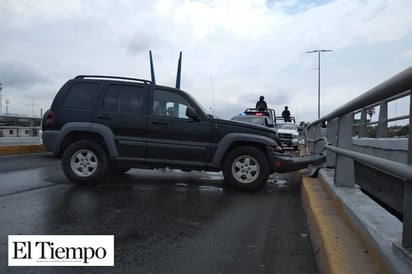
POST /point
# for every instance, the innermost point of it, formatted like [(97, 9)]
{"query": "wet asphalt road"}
[(163, 221)]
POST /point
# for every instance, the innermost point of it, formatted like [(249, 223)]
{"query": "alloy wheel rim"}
[(84, 163), (245, 169)]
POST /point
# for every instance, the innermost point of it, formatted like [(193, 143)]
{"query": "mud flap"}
[(286, 163)]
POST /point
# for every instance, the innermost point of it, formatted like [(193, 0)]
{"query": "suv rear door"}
[(172, 137), (123, 109), (75, 101)]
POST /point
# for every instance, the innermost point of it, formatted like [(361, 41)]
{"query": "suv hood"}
[(244, 125), (236, 126)]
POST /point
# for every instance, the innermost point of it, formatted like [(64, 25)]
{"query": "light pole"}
[(1, 102), (319, 51)]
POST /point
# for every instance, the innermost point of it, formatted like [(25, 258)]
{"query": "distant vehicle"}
[(288, 134), (256, 112), (254, 119)]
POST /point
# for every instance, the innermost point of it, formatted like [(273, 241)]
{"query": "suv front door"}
[(172, 137)]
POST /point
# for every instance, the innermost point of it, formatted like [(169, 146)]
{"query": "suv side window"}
[(125, 99), (169, 104), (81, 95)]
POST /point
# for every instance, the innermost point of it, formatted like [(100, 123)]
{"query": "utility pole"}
[(319, 51), (7, 106), (1, 100)]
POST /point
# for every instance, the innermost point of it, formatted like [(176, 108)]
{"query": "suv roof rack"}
[(112, 77)]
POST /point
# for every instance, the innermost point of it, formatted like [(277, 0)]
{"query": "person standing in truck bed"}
[(261, 104), (286, 114)]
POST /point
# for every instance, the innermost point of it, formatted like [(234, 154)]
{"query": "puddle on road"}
[(279, 183), (285, 181), (199, 187)]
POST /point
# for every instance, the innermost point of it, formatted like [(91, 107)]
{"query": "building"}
[(19, 126)]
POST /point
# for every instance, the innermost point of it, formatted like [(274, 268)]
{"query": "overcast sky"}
[(233, 50)]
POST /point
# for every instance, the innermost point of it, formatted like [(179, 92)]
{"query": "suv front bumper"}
[(286, 163)]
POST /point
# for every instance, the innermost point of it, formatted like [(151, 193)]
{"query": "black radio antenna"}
[(179, 69), (152, 68)]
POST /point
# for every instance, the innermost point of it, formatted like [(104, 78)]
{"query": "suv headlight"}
[(278, 149)]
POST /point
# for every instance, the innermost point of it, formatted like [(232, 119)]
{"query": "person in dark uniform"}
[(286, 114), (261, 104)]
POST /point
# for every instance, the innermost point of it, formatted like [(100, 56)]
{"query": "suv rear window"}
[(81, 95), (126, 99)]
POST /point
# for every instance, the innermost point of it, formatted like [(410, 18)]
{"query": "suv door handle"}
[(157, 122), (104, 117)]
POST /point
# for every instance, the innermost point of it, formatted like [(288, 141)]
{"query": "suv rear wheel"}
[(246, 168), (85, 162)]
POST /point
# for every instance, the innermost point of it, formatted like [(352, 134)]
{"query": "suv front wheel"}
[(246, 168), (85, 162)]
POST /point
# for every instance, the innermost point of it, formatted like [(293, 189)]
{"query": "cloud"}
[(24, 13), (248, 47), (20, 75)]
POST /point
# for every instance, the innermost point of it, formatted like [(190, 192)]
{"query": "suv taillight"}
[(50, 120)]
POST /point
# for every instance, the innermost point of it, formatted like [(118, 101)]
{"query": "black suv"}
[(102, 124)]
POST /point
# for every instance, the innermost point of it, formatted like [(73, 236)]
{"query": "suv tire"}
[(246, 168), (85, 162)]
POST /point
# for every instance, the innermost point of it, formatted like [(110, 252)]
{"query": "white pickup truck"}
[(288, 134)]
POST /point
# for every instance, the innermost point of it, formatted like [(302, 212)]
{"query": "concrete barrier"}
[(350, 233), (13, 141), (14, 149), (394, 149), (19, 145), (336, 247)]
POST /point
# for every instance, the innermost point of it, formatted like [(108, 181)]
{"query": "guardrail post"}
[(345, 168), (362, 126), (311, 135), (407, 216), (331, 136), (382, 131), (407, 197), (318, 134)]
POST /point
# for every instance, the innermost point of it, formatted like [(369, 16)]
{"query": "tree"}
[(370, 111)]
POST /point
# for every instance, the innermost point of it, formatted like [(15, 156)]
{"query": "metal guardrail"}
[(333, 133)]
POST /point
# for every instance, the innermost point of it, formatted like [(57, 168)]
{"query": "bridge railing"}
[(333, 133)]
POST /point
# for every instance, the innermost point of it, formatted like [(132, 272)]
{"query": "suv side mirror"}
[(192, 114)]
